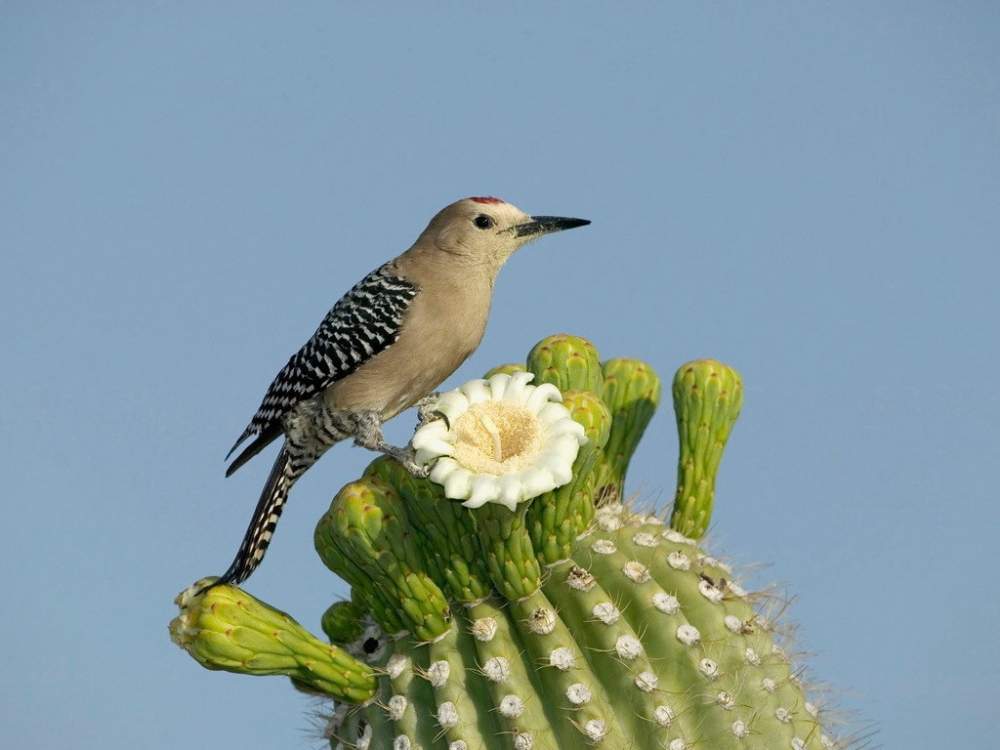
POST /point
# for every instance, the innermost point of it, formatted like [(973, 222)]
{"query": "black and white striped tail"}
[(265, 519)]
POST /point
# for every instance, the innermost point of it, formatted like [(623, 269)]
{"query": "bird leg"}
[(368, 434)]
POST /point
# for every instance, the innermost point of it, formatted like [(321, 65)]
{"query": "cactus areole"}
[(514, 599)]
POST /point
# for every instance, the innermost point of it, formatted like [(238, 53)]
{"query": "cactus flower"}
[(501, 440)]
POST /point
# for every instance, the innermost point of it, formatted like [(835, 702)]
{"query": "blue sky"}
[(809, 192)]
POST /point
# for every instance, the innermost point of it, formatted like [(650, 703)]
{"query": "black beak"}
[(547, 224)]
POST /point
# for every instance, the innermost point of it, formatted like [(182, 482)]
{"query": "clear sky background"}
[(810, 192)]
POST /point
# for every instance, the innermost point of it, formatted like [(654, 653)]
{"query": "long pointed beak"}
[(547, 224)]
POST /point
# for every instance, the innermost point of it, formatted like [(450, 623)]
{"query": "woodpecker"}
[(382, 348)]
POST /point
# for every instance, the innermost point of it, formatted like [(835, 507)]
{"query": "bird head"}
[(488, 230)]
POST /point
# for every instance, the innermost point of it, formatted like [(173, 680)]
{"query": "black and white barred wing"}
[(365, 321)]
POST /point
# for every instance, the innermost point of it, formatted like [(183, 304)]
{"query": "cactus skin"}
[(573, 621)]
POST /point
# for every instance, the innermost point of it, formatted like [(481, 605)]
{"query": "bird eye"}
[(483, 221)]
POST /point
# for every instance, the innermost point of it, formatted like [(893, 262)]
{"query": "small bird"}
[(384, 347)]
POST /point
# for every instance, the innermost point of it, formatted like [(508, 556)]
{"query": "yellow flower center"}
[(496, 437)]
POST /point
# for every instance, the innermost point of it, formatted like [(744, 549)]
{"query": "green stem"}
[(506, 547)]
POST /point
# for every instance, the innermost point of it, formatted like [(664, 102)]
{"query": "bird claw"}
[(418, 470), (426, 417), (426, 411)]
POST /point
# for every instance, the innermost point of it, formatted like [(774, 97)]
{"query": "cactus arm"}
[(225, 628), (446, 532), (708, 397), (362, 537), (632, 393)]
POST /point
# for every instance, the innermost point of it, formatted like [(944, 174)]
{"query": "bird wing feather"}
[(364, 322)]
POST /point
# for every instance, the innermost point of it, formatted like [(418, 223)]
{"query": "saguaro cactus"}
[(563, 620)]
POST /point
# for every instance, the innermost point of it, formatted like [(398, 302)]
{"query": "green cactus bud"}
[(708, 397), (365, 537), (568, 362), (508, 369), (343, 622), (449, 531), (226, 628), (632, 392)]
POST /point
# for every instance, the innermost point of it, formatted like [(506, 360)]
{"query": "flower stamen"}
[(491, 428)]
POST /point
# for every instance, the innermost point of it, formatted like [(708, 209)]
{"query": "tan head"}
[(487, 230)]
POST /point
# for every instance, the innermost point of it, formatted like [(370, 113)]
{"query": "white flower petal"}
[(544, 394), (430, 432), (567, 427), (444, 467), (433, 450), (566, 446), (432, 440), (510, 490), (498, 385), (537, 481), (452, 404), (477, 391), (551, 413), (562, 470), (453, 476), (484, 490), (458, 484), (522, 378), (519, 391)]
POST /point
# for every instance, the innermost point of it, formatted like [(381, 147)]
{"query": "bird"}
[(384, 347)]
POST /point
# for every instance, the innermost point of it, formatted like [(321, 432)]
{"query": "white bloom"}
[(502, 441)]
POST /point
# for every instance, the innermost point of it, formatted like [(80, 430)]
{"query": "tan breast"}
[(442, 328)]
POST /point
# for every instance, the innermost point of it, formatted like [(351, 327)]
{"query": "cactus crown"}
[(565, 621)]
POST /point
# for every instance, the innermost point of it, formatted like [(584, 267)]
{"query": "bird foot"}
[(420, 471), (407, 457), (426, 411), (369, 435)]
